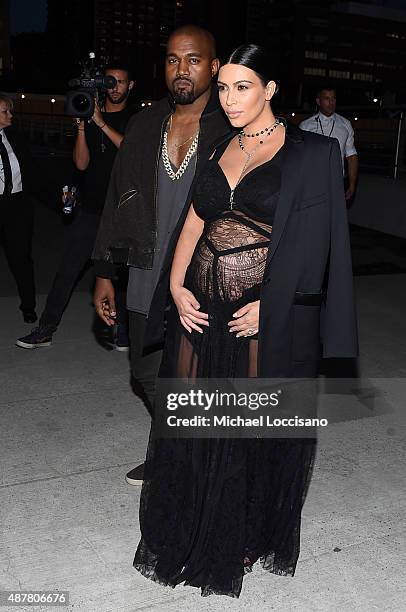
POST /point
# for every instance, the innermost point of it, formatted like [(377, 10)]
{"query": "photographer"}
[(94, 152)]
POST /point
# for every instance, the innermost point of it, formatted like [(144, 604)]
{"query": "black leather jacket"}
[(128, 223)]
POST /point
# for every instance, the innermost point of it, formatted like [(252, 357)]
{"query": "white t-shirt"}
[(335, 126), (15, 167)]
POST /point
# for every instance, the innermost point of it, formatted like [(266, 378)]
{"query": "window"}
[(316, 54), (363, 63), (341, 60), (314, 71), (362, 76), (339, 74), (387, 66)]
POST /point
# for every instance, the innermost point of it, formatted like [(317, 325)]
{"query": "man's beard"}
[(118, 100), (183, 96)]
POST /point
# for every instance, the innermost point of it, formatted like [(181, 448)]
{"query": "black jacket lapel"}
[(290, 184)]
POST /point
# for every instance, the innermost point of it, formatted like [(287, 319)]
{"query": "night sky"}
[(28, 15)]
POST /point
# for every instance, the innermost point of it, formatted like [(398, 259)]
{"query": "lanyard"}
[(321, 127)]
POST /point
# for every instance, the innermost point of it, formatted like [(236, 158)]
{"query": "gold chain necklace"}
[(167, 163), (186, 141)]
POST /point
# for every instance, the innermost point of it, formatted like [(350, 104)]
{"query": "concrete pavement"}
[(71, 428)]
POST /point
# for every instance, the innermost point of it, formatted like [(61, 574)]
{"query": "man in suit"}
[(16, 208)]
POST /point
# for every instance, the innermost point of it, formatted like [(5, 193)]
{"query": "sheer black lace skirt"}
[(211, 508)]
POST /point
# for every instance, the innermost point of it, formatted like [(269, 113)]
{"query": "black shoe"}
[(40, 336), (122, 346), (136, 476), (30, 316), (122, 339)]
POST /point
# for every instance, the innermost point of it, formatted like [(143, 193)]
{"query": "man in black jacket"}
[(17, 181), (163, 151)]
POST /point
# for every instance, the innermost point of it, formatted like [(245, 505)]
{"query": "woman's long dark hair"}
[(253, 57)]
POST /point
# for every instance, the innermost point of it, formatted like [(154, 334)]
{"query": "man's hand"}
[(80, 123), (97, 116), (349, 193), (104, 300)]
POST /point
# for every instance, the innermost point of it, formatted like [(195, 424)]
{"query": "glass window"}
[(315, 54), (362, 76), (314, 71), (339, 74)]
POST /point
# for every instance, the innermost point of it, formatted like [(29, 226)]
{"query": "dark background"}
[(360, 47)]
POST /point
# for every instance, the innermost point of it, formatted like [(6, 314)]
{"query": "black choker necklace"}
[(260, 132)]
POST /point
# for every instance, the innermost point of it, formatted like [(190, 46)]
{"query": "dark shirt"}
[(102, 151)]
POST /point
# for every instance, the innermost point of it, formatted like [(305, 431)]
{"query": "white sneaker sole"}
[(26, 345), (132, 481), (122, 349)]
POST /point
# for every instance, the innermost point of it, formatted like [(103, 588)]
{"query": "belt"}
[(309, 299)]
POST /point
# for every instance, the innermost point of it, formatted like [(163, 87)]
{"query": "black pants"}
[(144, 364), (16, 228), (75, 255)]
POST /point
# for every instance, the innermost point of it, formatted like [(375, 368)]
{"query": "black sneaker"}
[(29, 316), (122, 346), (136, 476), (122, 343), (40, 336)]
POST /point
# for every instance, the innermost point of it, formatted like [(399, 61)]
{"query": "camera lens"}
[(81, 102)]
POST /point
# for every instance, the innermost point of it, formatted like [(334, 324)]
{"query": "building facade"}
[(4, 37), (357, 47)]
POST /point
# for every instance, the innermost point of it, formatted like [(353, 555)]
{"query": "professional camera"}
[(87, 89)]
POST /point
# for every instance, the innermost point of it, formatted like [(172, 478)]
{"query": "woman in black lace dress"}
[(211, 508)]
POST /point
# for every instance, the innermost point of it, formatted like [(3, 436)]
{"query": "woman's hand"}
[(188, 309), (246, 320)]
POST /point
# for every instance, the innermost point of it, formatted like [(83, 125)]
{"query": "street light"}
[(375, 100), (52, 107), (22, 97), (293, 114), (355, 118)]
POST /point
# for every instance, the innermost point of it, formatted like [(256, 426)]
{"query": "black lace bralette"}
[(256, 196)]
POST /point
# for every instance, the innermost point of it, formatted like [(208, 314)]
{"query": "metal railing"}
[(381, 146), (380, 141), (380, 138), (48, 134)]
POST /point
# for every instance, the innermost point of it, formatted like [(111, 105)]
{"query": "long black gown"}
[(210, 508)]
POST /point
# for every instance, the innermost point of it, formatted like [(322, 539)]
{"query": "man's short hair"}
[(6, 98), (325, 87), (123, 67)]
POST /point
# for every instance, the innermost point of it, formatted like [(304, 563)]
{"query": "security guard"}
[(329, 123)]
